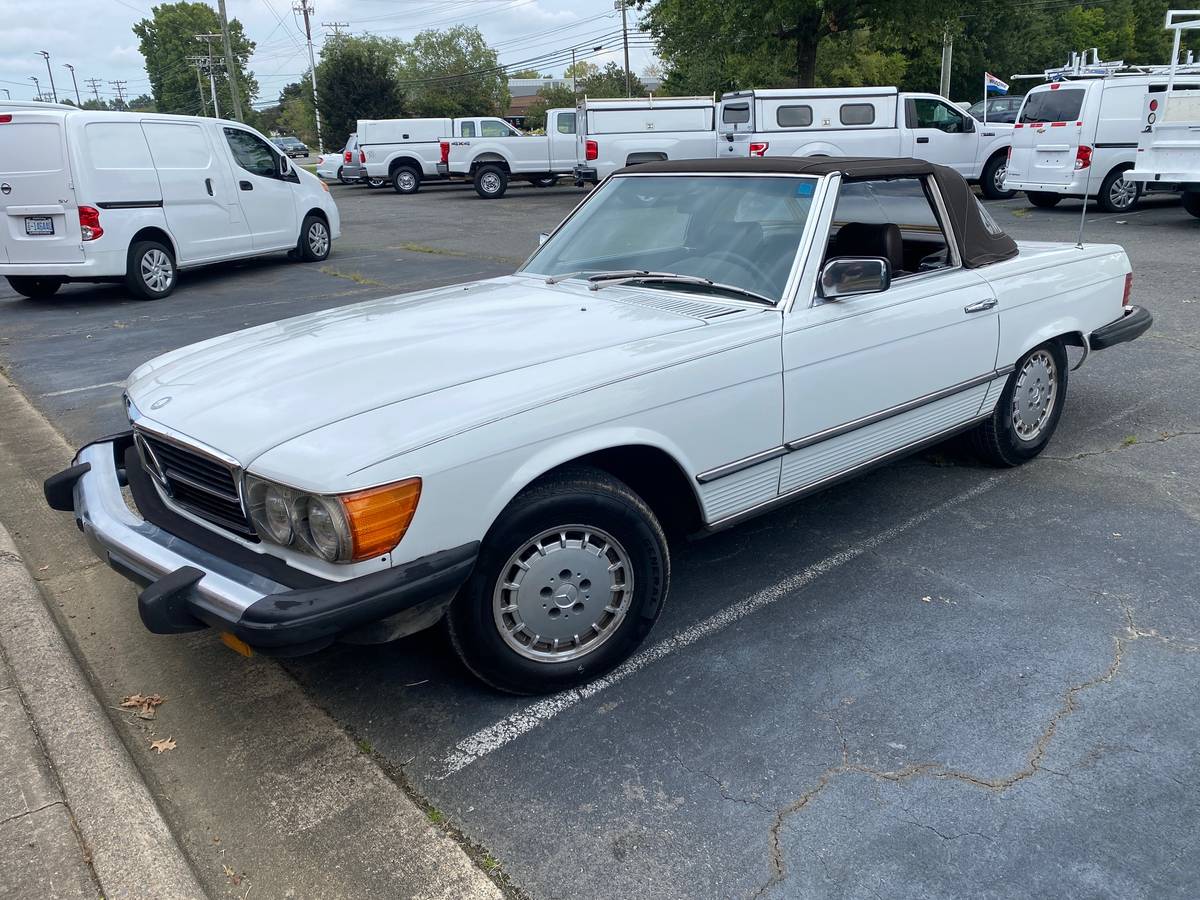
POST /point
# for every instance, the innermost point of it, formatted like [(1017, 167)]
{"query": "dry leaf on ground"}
[(233, 876), (162, 746), (146, 705)]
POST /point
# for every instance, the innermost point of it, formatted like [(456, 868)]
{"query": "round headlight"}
[(276, 517), (323, 529)]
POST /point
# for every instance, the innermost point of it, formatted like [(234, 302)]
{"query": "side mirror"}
[(543, 237), (284, 165), (968, 124), (849, 276)]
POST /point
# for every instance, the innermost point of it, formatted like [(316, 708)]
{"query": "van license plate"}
[(39, 225)]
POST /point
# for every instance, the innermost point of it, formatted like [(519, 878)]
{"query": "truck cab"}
[(492, 160)]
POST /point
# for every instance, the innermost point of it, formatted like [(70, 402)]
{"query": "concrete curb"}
[(133, 852)]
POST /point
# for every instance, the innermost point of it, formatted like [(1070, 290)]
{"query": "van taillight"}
[(591, 150), (445, 148), (1128, 289), (1083, 156), (347, 156), (1153, 105), (89, 223), (5, 119), (758, 148)]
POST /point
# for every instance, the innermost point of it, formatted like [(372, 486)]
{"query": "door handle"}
[(208, 186), (245, 185), (981, 305), (922, 140)]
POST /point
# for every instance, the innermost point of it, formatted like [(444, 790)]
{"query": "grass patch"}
[(1021, 211), (458, 254), (364, 746), (435, 816), (356, 277), (1129, 440), (490, 862)]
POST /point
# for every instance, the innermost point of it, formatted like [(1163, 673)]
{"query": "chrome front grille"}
[(196, 482)]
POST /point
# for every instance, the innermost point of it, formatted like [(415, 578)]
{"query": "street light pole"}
[(74, 82), (37, 84), (53, 92)]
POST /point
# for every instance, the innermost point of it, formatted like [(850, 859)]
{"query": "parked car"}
[(999, 109), (878, 121), (1078, 136), (698, 342), (406, 152), (106, 196), (490, 162), (292, 146), (612, 134), (329, 167)]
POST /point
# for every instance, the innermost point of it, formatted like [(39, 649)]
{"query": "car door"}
[(877, 374), (266, 195), (942, 134), (199, 196)]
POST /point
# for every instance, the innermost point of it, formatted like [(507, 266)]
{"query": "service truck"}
[(491, 161), (405, 152), (612, 134)]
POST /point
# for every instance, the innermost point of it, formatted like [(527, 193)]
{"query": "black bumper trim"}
[(59, 489), (1132, 325)]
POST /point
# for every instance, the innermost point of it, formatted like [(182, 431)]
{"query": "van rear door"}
[(37, 199), (1047, 135), (735, 125)]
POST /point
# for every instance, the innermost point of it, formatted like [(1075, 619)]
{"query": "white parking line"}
[(88, 387), (493, 737)]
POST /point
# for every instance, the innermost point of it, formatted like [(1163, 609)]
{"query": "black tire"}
[(342, 178), (150, 272), (586, 504), (992, 179), (997, 439), (1042, 200), (1118, 195), (548, 181), (1191, 203), (491, 181), (406, 180), (315, 241), (33, 287), (376, 182)]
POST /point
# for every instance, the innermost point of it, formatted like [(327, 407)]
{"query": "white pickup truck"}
[(698, 342), (405, 152), (871, 121), (491, 162), (612, 134)]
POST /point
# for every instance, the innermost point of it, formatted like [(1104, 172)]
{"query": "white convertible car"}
[(698, 342)]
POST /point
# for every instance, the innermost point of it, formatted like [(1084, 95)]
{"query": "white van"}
[(866, 121), (612, 134), (1078, 137), (406, 152), (105, 196)]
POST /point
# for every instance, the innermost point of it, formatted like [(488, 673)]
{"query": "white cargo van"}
[(868, 121), (612, 134), (1077, 136), (406, 152), (105, 196)]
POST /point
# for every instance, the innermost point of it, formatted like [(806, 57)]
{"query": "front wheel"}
[(1118, 194), (33, 287), (491, 182), (406, 180), (991, 182), (1043, 200), (376, 182), (150, 270), (1191, 203), (1028, 410), (314, 242), (569, 581)]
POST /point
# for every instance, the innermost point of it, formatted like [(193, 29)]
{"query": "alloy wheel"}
[(318, 239), (1034, 395), (157, 270)]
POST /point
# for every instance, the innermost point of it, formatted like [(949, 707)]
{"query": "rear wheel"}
[(33, 287), (491, 182), (1043, 200), (342, 177), (150, 271), (1029, 408), (314, 242), (991, 182), (1191, 203), (569, 581), (1118, 194), (548, 181), (406, 180)]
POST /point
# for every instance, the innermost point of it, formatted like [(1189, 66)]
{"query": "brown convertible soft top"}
[(981, 241)]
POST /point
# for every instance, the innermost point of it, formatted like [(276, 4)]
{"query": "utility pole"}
[(336, 26), (208, 68), (620, 4), (303, 7), (230, 68), (37, 84), (120, 89), (46, 57), (94, 84), (200, 88), (74, 82), (947, 57)]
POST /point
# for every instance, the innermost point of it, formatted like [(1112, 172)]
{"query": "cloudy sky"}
[(96, 37)]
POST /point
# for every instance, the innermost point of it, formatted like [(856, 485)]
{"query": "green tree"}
[(143, 103), (547, 98), (169, 37), (610, 82), (526, 73), (581, 70), (453, 73), (357, 78)]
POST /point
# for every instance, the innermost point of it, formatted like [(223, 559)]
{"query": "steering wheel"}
[(749, 268)]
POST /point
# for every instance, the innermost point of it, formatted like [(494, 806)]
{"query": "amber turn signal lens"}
[(378, 517)]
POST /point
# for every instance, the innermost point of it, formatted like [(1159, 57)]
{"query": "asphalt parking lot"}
[(938, 680)]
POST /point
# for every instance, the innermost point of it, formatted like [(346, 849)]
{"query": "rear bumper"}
[(585, 175), (95, 264), (187, 587), (1136, 321)]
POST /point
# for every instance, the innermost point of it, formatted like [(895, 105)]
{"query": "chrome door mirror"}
[(543, 237), (849, 276)]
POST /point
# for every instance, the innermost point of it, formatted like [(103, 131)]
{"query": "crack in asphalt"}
[(721, 787), (1162, 438)]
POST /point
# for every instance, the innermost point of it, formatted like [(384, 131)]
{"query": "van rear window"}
[(736, 115), (29, 147), (1052, 105)]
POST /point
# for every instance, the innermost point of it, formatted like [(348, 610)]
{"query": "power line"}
[(92, 83)]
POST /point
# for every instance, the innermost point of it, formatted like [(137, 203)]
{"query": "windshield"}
[(733, 230), (1052, 105)]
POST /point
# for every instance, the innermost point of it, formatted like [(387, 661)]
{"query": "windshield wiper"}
[(606, 278)]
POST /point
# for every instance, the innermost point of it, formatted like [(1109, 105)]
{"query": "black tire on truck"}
[(991, 182), (34, 287), (1191, 203), (491, 181), (1043, 200), (406, 180)]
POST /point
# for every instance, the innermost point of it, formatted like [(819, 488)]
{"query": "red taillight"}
[(347, 156), (758, 148), (5, 119), (445, 149), (89, 223), (1083, 156), (362, 156), (1128, 289), (1055, 86), (591, 150), (1153, 105)]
